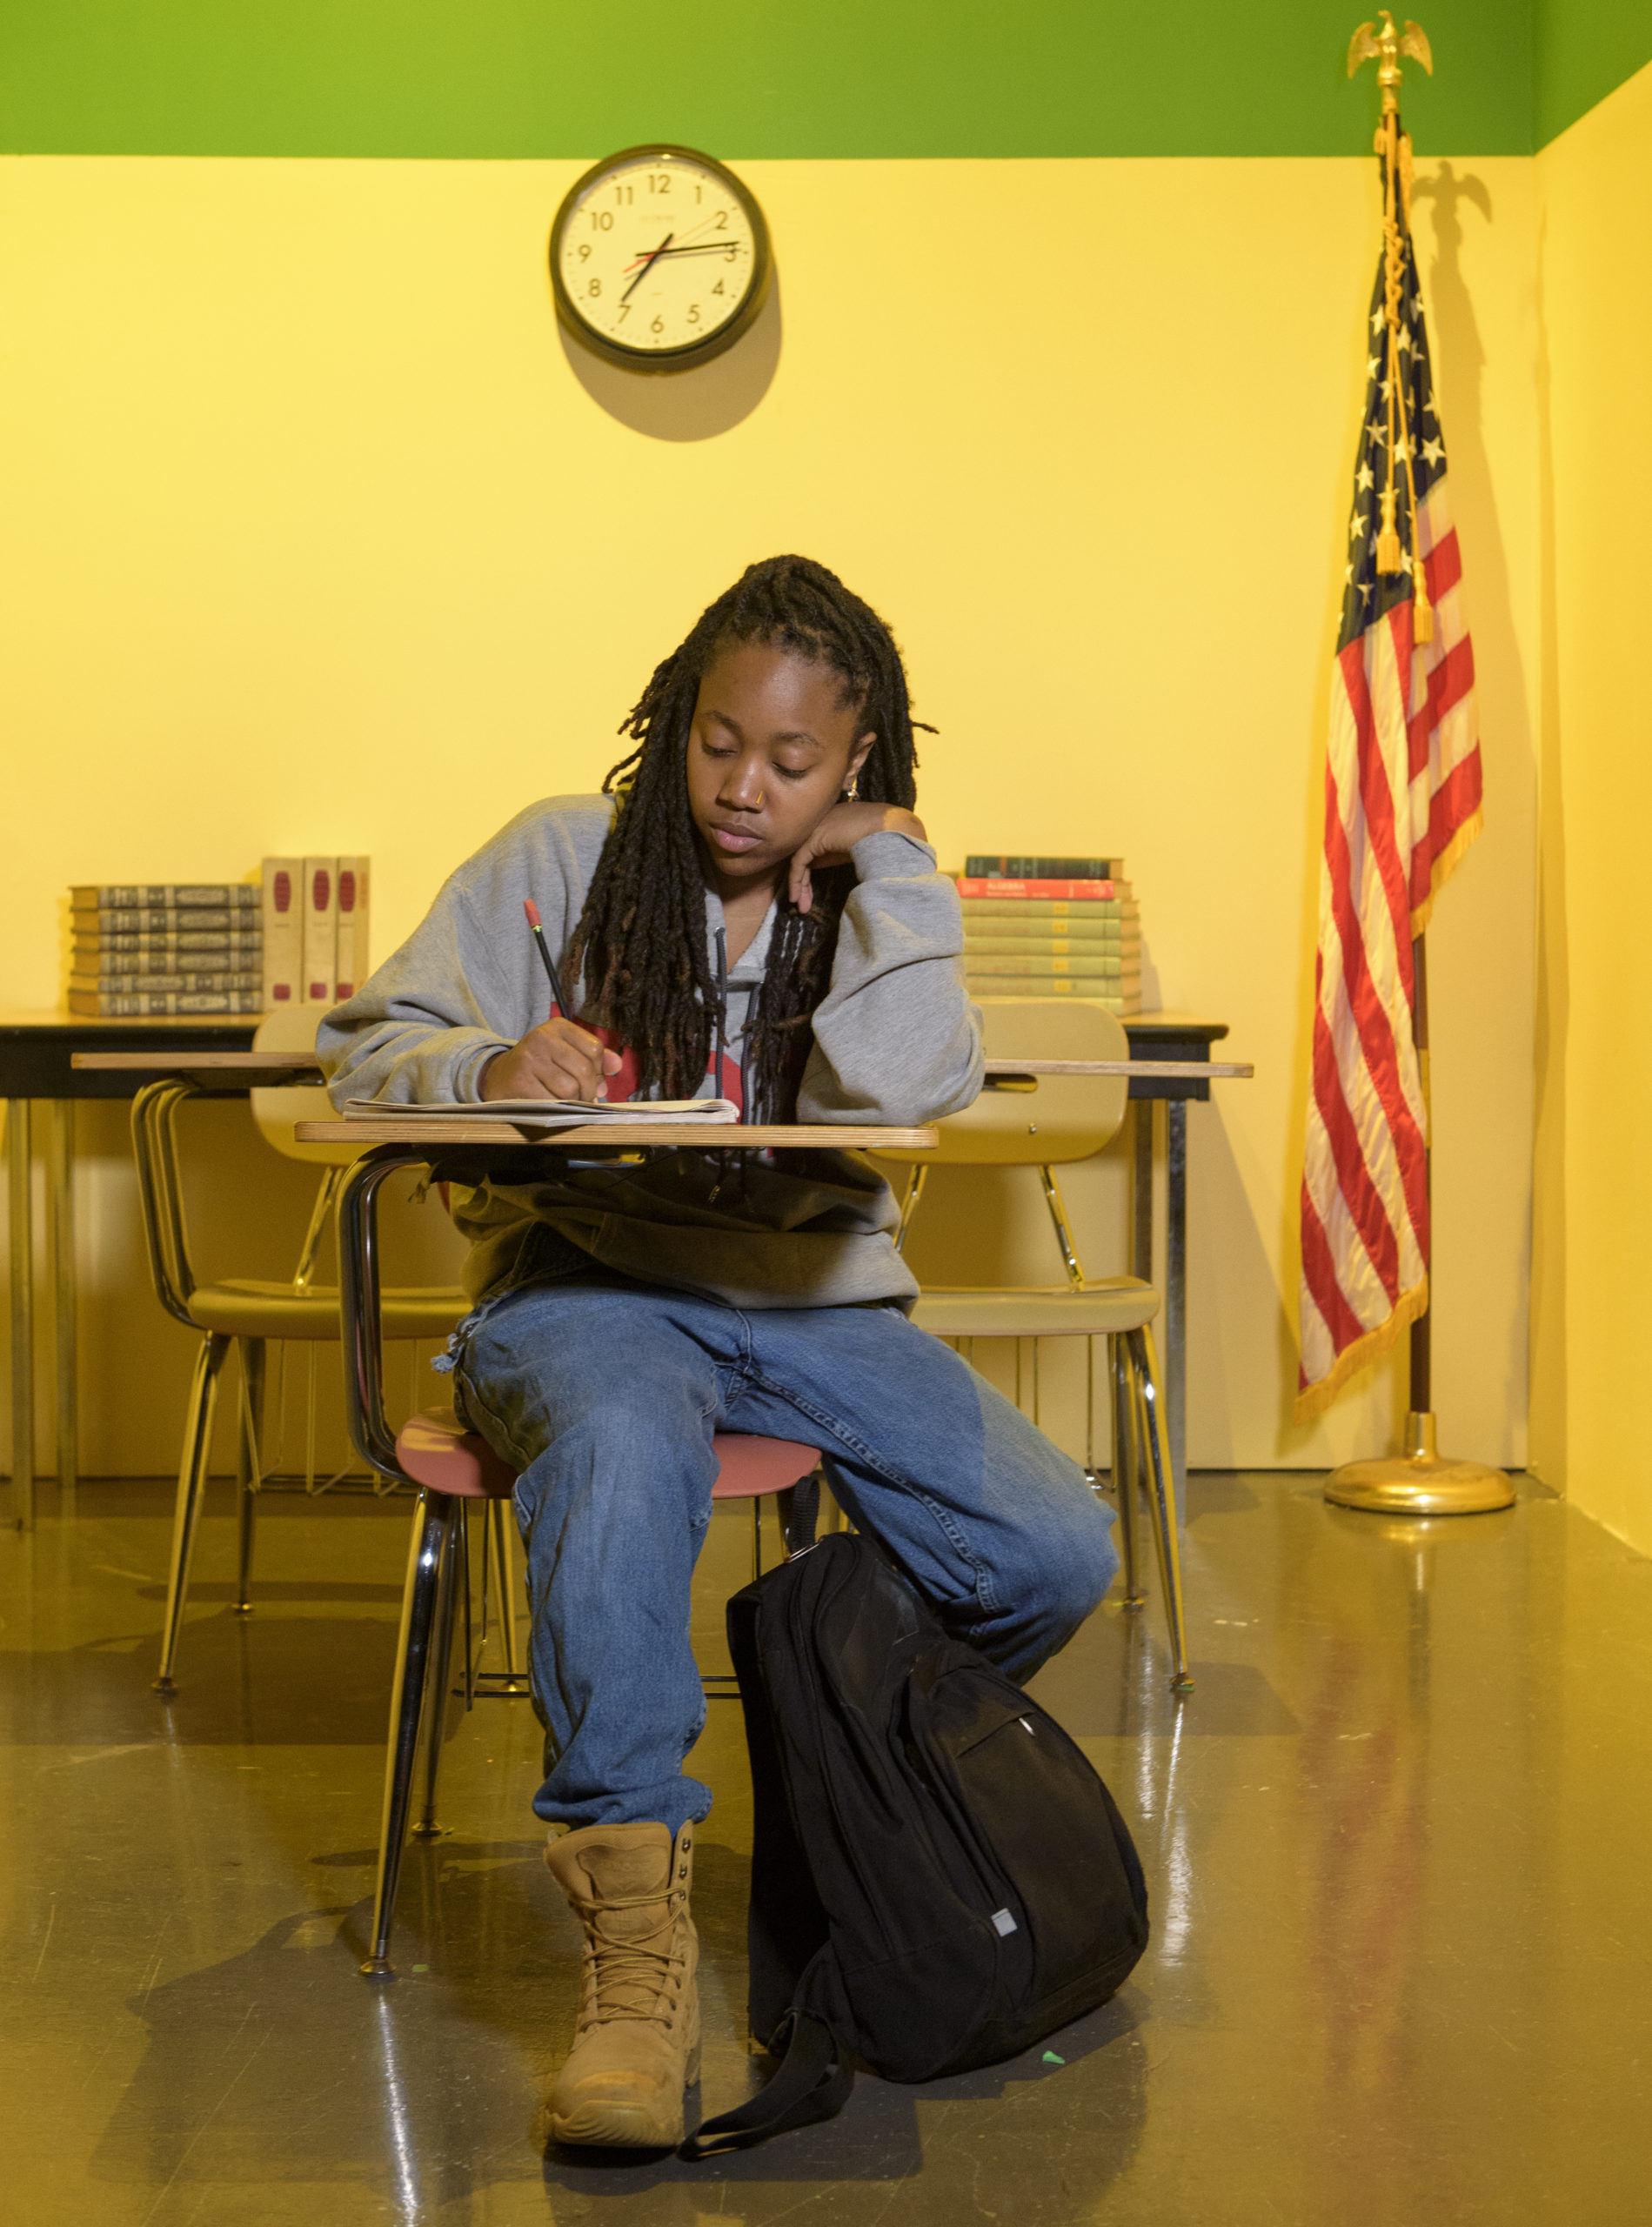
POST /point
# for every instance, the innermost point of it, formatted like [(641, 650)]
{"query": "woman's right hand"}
[(557, 1059)]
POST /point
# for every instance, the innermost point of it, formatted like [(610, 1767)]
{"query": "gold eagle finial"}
[(1385, 47)]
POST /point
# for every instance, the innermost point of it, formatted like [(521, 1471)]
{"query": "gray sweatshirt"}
[(896, 1041)]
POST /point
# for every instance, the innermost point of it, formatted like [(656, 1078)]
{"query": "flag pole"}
[(1419, 1482)]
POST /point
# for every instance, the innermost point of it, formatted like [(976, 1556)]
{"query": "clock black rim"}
[(697, 352)]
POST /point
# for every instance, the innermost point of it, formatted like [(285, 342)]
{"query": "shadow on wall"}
[(1548, 1387), (694, 406), (1508, 744)]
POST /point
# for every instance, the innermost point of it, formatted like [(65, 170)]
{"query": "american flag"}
[(1403, 804)]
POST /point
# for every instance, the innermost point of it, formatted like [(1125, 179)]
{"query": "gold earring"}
[(852, 794)]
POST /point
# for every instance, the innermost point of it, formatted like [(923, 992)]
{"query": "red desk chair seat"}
[(435, 1450), (452, 1466)]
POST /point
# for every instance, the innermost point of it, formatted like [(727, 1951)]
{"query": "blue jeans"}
[(604, 1394)]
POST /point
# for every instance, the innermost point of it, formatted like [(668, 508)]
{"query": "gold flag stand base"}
[(1418, 1483)]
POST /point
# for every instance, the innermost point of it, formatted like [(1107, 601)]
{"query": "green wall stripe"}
[(1586, 49), (751, 78)]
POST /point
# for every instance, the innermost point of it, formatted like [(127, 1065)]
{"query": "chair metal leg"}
[(1161, 1501), (320, 1214), (191, 1484), (434, 1524), (1092, 1475), (249, 1473), (1125, 1469), (501, 1531), (454, 1576), (500, 1584)]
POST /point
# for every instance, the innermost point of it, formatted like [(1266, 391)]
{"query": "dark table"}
[(35, 1049), (1167, 1036)]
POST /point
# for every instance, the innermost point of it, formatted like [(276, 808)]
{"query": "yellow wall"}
[(1592, 1324), (314, 540)]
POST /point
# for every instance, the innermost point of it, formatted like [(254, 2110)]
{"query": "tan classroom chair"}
[(1041, 1121), (249, 1312)]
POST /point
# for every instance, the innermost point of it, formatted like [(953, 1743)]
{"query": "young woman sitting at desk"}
[(757, 914)]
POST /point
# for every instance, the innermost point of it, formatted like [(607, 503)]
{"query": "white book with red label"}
[(352, 966), (320, 893), (283, 933)]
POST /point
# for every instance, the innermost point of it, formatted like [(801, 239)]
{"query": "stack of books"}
[(1042, 928), (156, 948), (148, 950)]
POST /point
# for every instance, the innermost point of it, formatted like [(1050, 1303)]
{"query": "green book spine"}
[(1092, 967), (1020, 933), (142, 1004), (1109, 942), (1069, 912), (1007, 868), (216, 982), (105, 897), (123, 954), (1116, 997), (156, 921)]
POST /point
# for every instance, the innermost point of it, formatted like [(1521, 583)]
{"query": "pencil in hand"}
[(537, 926)]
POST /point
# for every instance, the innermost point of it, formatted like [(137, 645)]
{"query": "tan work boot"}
[(637, 2045)]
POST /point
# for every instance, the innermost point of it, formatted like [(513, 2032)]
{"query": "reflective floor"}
[(1397, 1840)]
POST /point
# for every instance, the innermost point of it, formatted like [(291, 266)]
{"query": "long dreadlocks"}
[(640, 942)]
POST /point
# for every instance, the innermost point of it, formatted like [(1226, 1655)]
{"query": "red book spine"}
[(984, 886)]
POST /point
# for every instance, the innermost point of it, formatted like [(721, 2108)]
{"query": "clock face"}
[(660, 258)]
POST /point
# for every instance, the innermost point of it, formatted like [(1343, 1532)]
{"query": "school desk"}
[(37, 1061), (1169, 1060), (462, 1150)]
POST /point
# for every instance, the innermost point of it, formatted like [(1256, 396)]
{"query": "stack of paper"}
[(551, 1112)]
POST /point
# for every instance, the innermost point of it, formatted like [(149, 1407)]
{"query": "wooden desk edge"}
[(413, 1129), (197, 1062), (1185, 1069), (298, 1064)]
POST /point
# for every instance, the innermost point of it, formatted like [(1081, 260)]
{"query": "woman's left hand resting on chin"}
[(833, 839)]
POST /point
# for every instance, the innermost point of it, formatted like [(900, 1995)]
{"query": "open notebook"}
[(552, 1112)]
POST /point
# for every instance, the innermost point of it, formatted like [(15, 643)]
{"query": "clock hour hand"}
[(648, 266)]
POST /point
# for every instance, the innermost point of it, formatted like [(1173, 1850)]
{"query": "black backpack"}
[(939, 1876)]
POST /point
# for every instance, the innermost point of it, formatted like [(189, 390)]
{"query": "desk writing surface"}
[(413, 1129), (209, 1061)]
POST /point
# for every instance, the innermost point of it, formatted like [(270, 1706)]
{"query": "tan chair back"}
[(292, 1029), (1037, 1120)]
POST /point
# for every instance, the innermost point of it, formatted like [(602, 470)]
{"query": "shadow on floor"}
[(451, 2060), (277, 1681), (1117, 1686)]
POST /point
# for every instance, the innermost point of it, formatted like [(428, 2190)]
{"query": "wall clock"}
[(660, 258)]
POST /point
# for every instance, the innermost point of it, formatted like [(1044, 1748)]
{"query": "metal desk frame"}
[(1173, 1037)]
